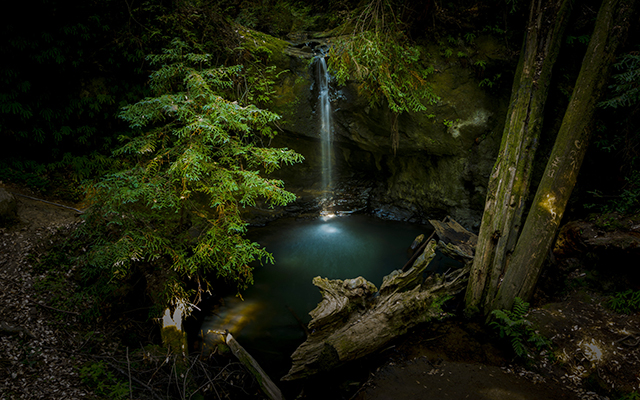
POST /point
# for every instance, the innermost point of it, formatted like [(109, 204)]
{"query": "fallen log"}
[(355, 319)]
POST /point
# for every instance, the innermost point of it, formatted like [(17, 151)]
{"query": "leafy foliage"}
[(619, 137), (377, 55), (627, 202), (195, 162), (630, 396), (626, 302), (626, 89), (66, 69), (277, 17), (513, 325), (98, 376), (258, 53)]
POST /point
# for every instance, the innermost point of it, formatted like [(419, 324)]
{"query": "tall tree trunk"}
[(509, 182), (566, 157)]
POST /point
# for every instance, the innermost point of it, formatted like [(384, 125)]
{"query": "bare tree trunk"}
[(566, 157), (509, 182)]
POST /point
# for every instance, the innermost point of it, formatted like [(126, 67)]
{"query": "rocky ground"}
[(596, 355), (35, 339), (51, 349), (596, 351)]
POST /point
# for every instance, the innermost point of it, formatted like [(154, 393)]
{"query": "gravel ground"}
[(36, 341)]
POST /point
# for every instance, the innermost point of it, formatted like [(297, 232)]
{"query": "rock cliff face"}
[(444, 157)]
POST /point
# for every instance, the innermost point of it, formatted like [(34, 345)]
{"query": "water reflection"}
[(328, 228)]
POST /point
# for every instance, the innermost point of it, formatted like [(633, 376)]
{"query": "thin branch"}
[(55, 309), (153, 393), (129, 371), (50, 202)]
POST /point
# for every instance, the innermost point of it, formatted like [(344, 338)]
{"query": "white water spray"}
[(326, 125)]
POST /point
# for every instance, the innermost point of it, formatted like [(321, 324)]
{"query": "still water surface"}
[(266, 322)]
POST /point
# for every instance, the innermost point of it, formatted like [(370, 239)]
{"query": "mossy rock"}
[(8, 208)]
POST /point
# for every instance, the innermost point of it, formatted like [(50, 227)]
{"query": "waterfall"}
[(326, 125)]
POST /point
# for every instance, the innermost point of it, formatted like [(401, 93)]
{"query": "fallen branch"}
[(55, 309), (49, 202), (138, 381), (129, 372), (418, 253), (267, 385), (635, 336)]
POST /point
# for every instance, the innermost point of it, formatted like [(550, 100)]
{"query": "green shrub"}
[(195, 160), (514, 326), (626, 302), (101, 380)]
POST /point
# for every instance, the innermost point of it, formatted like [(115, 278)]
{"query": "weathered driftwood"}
[(355, 319), (266, 384)]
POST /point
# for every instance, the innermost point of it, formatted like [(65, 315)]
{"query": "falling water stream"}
[(268, 320), (326, 123)]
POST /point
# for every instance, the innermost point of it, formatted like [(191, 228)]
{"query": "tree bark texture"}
[(509, 182), (567, 155), (355, 319)]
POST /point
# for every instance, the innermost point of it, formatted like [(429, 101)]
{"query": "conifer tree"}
[(196, 161)]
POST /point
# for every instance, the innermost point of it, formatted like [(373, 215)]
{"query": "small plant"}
[(489, 82), (449, 123), (626, 302), (513, 325), (469, 37), (496, 30), (514, 5), (630, 396), (583, 39), (101, 380), (481, 64)]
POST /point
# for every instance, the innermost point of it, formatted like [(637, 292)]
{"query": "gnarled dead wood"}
[(355, 319)]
